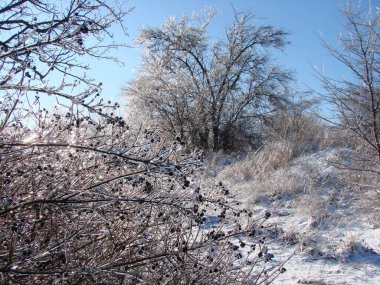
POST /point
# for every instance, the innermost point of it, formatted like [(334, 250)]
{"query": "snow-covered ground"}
[(337, 253), (330, 228)]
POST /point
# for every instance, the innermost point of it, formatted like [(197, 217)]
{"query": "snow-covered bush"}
[(90, 202)]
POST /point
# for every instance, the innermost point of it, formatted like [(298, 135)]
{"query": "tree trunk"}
[(215, 137)]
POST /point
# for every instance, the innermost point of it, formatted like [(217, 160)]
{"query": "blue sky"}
[(306, 20)]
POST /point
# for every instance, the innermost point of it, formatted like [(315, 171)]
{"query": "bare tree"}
[(86, 199), (204, 90), (357, 98), (41, 49)]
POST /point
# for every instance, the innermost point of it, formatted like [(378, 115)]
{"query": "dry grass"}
[(365, 186), (317, 182), (338, 138), (256, 166), (265, 173), (304, 132)]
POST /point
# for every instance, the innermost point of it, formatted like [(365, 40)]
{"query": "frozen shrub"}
[(85, 199), (99, 202)]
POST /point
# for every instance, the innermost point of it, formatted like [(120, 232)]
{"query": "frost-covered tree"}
[(357, 98), (43, 45), (204, 91), (85, 199)]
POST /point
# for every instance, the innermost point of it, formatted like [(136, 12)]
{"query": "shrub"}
[(90, 203)]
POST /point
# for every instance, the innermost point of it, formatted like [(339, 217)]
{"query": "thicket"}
[(87, 199)]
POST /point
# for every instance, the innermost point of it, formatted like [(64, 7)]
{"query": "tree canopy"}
[(207, 92)]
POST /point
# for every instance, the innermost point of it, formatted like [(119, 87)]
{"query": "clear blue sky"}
[(306, 20)]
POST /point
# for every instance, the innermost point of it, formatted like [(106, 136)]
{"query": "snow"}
[(325, 230)]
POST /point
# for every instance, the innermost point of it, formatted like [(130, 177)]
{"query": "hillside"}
[(322, 217)]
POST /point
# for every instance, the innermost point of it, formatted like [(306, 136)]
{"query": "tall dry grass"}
[(265, 173), (304, 132)]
